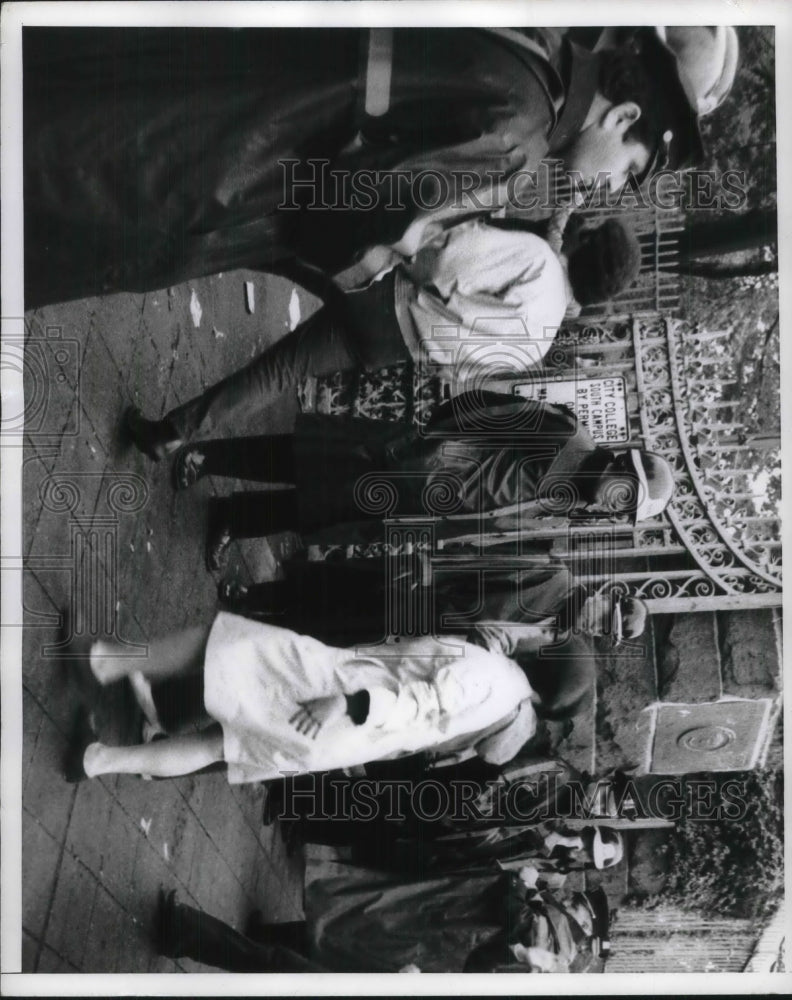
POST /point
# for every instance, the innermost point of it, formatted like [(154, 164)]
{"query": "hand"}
[(313, 715), (529, 876), (538, 959), (424, 569), (554, 839)]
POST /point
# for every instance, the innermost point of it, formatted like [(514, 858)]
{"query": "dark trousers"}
[(196, 935), (365, 334), (255, 514), (375, 816), (268, 458)]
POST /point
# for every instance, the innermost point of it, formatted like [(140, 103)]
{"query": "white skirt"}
[(423, 692)]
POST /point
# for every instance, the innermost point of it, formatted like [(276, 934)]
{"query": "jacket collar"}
[(579, 70), (574, 452)]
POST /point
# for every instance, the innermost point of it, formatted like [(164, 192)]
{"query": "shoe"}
[(83, 735), (155, 438), (165, 927), (188, 468), (218, 540)]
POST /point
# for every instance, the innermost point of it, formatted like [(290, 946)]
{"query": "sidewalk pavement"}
[(104, 534)]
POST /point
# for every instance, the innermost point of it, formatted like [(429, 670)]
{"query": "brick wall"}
[(670, 940), (690, 658)]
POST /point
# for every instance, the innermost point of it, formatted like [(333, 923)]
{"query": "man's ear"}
[(619, 117)]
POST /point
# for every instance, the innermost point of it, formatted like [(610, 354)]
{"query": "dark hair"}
[(604, 262), (625, 75)]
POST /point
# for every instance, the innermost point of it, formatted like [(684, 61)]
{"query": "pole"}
[(717, 602)]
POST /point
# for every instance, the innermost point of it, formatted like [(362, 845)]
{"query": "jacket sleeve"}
[(503, 746), (473, 413), (470, 693)]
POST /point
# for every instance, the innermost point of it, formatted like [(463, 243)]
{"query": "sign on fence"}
[(599, 403)]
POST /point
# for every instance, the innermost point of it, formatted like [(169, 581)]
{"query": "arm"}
[(449, 696), (343, 235), (471, 412), (315, 714), (503, 746), (487, 273), (505, 637)]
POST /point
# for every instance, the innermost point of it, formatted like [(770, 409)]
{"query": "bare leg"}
[(167, 758), (141, 688), (173, 655)]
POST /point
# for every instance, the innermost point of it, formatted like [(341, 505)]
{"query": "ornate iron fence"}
[(715, 547)]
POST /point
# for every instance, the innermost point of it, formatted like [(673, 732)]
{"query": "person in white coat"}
[(284, 702)]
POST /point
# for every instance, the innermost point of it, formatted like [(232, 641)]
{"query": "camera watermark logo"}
[(47, 364)]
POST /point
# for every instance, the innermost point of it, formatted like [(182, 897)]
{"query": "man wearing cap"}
[(485, 463), (706, 58), (226, 152), (559, 658), (550, 852)]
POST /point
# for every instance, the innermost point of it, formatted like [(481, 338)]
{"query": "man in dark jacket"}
[(152, 156), (486, 462), (366, 922)]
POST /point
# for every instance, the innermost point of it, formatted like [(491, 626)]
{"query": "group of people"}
[(313, 674)]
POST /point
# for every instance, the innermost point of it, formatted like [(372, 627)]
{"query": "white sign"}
[(599, 403)]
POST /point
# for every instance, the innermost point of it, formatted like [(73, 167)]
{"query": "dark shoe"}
[(188, 467), (218, 540), (83, 734), (155, 438), (165, 928)]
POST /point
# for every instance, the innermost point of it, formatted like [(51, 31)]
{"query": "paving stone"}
[(52, 962), (49, 680), (72, 909), (31, 724), (183, 850), (47, 796), (103, 396), (135, 942), (108, 927), (202, 869), (88, 824), (44, 593), (29, 951), (151, 871), (142, 349), (40, 857), (118, 860)]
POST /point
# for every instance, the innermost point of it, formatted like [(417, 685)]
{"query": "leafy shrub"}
[(732, 867)]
